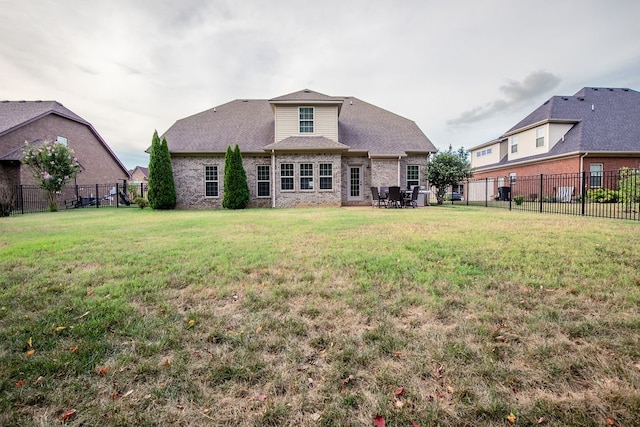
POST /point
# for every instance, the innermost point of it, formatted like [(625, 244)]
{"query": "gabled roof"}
[(15, 114), (250, 124), (606, 120)]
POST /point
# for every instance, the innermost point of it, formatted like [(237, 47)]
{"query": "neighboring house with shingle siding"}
[(595, 130), (39, 121), (301, 149)]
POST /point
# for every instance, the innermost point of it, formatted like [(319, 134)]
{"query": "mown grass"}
[(443, 316)]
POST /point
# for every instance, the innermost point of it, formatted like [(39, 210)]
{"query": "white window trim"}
[(217, 181), (313, 120), (312, 176), (325, 176), (258, 181), (293, 177)]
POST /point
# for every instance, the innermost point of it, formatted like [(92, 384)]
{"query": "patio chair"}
[(411, 199), (394, 197), (376, 198)]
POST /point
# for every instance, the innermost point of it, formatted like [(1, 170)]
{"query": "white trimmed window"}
[(305, 115), (306, 176), (514, 144), (326, 176), (211, 181), (263, 181), (595, 173), (512, 177), (540, 136), (286, 176), (413, 175)]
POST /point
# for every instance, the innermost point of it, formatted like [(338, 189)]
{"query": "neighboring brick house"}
[(37, 121), (139, 175), (301, 149), (595, 130)]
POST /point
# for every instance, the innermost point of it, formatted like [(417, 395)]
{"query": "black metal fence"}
[(23, 199), (606, 194)]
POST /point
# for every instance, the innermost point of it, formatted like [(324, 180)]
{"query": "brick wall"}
[(99, 165)]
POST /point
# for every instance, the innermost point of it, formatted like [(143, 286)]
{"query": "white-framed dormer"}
[(306, 113)]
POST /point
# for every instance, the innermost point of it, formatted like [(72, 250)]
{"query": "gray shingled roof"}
[(606, 120), (18, 113), (250, 124), (14, 114)]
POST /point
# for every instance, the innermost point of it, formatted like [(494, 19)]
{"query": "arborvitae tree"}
[(236, 189), (162, 190), (155, 150)]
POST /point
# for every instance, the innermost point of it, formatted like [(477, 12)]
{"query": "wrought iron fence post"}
[(142, 189), (97, 197), (541, 189), (583, 192), (21, 198)]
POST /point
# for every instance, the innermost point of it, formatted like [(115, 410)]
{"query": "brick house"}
[(37, 121), (300, 149), (595, 130)]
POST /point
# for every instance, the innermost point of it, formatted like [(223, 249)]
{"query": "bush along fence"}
[(606, 194), (22, 199)]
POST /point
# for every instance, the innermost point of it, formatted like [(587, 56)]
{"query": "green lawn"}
[(440, 316)]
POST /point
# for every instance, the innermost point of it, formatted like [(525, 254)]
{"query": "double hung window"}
[(306, 122), (306, 176), (211, 181), (413, 175), (286, 176), (264, 181), (326, 176)]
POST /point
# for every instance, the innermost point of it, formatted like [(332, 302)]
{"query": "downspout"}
[(273, 178), (582, 174), (399, 157)]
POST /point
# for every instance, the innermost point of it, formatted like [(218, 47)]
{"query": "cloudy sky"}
[(464, 71)]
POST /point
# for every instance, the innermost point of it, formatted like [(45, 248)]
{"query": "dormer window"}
[(305, 115)]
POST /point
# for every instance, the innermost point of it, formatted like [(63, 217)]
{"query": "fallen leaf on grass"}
[(167, 363), (262, 397), (192, 323), (398, 404), (379, 421), (258, 329), (315, 416), (70, 413), (20, 383), (30, 353), (399, 391), (542, 420), (349, 379), (74, 349), (610, 421), (39, 380), (102, 371), (30, 342), (60, 328), (511, 418)]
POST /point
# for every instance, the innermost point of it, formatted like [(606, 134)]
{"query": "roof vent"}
[(245, 100), (307, 91), (214, 110), (580, 99), (564, 98), (593, 107)]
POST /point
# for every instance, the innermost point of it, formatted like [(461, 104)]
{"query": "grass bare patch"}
[(450, 316)]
